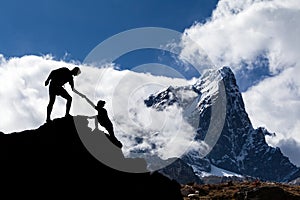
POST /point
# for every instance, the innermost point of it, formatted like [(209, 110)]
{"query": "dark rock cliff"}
[(53, 162)]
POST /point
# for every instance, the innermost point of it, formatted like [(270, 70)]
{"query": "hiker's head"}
[(100, 104), (76, 71)]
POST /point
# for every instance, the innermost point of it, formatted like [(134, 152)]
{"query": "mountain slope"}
[(53, 160), (222, 122)]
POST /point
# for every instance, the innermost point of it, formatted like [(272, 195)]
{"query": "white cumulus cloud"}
[(24, 100)]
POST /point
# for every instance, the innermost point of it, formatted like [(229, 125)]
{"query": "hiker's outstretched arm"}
[(90, 102), (77, 92), (83, 96)]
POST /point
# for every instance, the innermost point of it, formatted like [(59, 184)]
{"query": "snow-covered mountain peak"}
[(163, 98), (238, 147)]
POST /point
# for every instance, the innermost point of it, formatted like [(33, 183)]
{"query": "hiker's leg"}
[(64, 94), (50, 104), (110, 130), (68, 106), (114, 140)]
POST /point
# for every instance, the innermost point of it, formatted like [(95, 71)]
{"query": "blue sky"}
[(76, 27)]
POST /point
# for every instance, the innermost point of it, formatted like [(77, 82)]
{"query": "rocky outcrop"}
[(181, 172), (53, 161)]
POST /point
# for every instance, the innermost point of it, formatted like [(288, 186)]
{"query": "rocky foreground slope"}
[(241, 191), (52, 162)]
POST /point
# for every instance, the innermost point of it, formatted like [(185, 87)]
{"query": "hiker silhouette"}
[(57, 79), (102, 118)]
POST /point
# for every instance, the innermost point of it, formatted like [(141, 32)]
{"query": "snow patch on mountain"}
[(216, 171)]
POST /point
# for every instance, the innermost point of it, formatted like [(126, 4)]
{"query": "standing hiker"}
[(58, 78)]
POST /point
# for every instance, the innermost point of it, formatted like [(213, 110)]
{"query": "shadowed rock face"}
[(52, 160)]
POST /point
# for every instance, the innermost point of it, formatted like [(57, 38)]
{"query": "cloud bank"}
[(257, 37), (24, 100)]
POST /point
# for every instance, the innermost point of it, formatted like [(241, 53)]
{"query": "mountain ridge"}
[(239, 148)]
